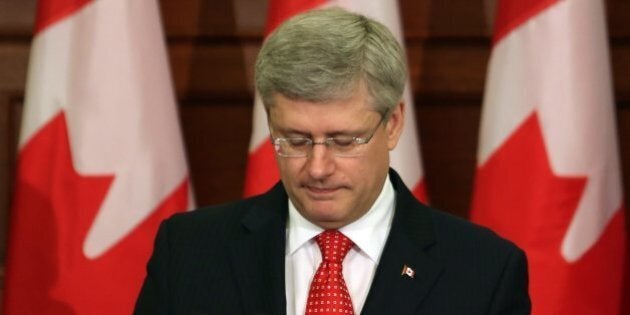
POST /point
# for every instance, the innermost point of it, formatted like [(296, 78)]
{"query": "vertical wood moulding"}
[(6, 178)]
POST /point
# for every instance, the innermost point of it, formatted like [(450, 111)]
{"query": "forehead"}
[(337, 115)]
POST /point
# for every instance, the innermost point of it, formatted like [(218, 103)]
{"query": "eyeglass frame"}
[(328, 142)]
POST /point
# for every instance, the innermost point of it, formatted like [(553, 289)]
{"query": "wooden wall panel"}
[(10, 113), (16, 17), (623, 127), (13, 65), (218, 20), (449, 169), (210, 71), (420, 18), (445, 19), (6, 167), (447, 69), (620, 59), (246, 18), (216, 139), (618, 12)]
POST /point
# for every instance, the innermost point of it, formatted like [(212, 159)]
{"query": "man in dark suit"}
[(341, 233)]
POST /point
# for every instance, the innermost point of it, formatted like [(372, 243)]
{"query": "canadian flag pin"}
[(406, 270)]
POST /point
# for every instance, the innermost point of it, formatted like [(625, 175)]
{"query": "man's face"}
[(329, 190)]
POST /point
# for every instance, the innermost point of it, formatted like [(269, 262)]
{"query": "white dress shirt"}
[(303, 256)]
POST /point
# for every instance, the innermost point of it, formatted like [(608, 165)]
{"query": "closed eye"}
[(343, 141), (298, 142)]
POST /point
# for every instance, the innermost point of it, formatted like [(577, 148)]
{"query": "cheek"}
[(374, 167), (289, 168), (355, 171), (378, 157)]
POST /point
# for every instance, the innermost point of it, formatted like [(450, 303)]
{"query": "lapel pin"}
[(406, 270)]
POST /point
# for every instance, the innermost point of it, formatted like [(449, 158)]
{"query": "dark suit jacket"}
[(229, 259)]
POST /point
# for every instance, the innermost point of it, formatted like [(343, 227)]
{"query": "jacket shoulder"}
[(461, 231), (223, 221)]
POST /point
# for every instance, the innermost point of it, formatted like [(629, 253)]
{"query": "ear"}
[(395, 125)]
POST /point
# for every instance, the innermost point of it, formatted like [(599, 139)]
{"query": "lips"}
[(321, 192)]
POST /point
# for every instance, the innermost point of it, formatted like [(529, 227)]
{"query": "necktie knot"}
[(334, 246)]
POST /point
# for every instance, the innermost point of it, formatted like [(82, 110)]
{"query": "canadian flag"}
[(101, 160), (262, 172), (548, 174)]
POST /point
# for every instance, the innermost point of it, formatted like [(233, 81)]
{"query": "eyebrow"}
[(290, 131), (301, 133)]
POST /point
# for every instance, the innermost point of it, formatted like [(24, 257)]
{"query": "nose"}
[(321, 163)]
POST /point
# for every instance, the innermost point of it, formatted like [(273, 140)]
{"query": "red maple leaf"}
[(54, 207), (518, 195)]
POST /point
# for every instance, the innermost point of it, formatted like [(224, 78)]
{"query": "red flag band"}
[(548, 174), (101, 160)]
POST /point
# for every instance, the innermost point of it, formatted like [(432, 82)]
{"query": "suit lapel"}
[(410, 243), (258, 256)]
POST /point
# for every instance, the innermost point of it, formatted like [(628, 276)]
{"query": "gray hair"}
[(324, 55)]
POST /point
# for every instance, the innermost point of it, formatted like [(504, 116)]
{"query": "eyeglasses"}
[(342, 145)]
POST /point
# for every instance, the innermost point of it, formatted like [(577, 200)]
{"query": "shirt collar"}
[(368, 233)]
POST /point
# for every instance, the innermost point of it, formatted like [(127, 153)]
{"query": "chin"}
[(324, 216)]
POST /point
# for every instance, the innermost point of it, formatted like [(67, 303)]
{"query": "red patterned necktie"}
[(328, 293)]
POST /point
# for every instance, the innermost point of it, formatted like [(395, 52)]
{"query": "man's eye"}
[(343, 141), (298, 142)]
